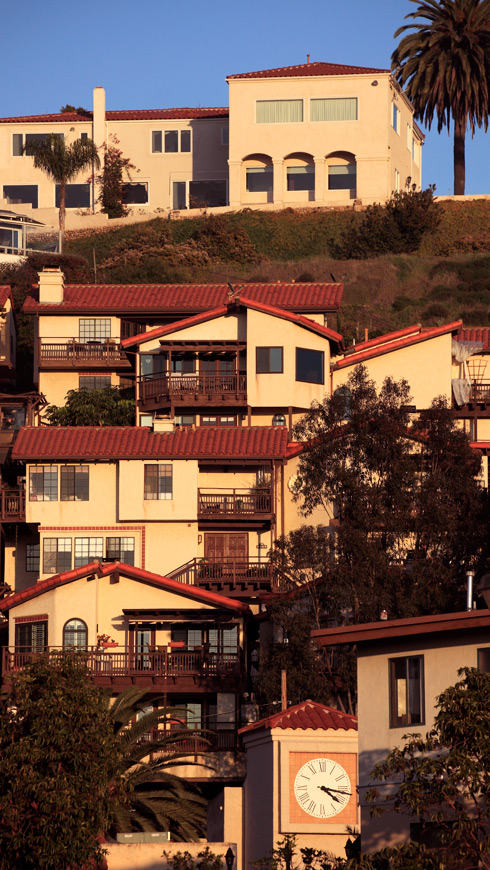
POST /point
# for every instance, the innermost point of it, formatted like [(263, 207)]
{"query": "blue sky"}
[(159, 54)]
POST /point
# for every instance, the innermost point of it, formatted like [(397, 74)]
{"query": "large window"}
[(94, 328), (342, 176), (94, 382), (300, 177), (278, 111), (19, 140), (74, 480), (334, 109), (43, 483), (135, 192), (406, 691), (207, 193), (56, 555), (21, 193), (31, 636), (120, 550), (269, 360), (76, 195), (75, 634), (172, 141), (88, 550), (310, 366), (158, 482), (260, 179)]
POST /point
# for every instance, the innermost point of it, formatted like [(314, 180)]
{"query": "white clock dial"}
[(322, 788)]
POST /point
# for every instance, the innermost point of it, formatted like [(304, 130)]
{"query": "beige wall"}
[(148, 856)]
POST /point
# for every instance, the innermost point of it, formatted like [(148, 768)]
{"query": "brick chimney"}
[(51, 285)]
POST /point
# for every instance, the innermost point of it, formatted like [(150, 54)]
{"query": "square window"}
[(74, 483), (156, 142), (94, 328), (158, 482), (406, 691), (342, 177), (310, 366), (31, 636), (300, 177), (32, 557), (269, 360), (88, 550), (120, 550), (171, 141), (135, 192), (56, 555), (260, 179), (43, 483)]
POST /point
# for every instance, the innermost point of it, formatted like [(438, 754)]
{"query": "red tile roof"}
[(305, 716), (392, 341), (305, 322), (185, 298), (124, 115), (5, 294), (52, 443), (156, 580), (475, 333), (316, 68)]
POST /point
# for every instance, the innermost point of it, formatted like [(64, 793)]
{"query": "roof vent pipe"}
[(470, 576)]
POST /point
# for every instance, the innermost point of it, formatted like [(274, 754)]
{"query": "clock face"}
[(322, 788)]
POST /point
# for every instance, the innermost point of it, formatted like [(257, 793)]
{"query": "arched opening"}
[(300, 173), (75, 634), (259, 175), (342, 172)]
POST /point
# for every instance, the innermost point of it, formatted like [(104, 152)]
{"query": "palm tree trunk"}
[(62, 215), (459, 164)]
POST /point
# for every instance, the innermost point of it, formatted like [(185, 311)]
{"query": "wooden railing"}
[(480, 392), (12, 505), (227, 389), (234, 574), (204, 740), (73, 352), (233, 502), (121, 662)]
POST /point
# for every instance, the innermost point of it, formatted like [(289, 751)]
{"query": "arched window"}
[(278, 420), (75, 634)]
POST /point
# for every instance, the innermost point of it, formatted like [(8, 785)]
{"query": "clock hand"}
[(329, 792)]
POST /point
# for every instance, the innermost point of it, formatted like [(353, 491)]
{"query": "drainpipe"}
[(469, 589)]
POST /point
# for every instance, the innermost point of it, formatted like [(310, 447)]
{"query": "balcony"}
[(204, 740), (64, 353), (239, 504), (176, 669), (158, 391), (233, 577), (12, 505)]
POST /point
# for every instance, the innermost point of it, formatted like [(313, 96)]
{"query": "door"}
[(229, 551), (179, 195)]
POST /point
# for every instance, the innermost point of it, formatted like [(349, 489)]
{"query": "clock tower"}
[(301, 779)]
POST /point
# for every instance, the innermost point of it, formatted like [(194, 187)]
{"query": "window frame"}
[(300, 350), (33, 558), (36, 647), (94, 329), (93, 543), (120, 548), (74, 489), (48, 487), (298, 100), (83, 632), (396, 118), (268, 370), (57, 569), (354, 101), (153, 479), (404, 720), (94, 379), (33, 200)]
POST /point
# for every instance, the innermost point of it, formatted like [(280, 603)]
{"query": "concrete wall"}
[(149, 856)]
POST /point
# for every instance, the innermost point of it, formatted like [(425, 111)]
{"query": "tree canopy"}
[(444, 66), (106, 407)]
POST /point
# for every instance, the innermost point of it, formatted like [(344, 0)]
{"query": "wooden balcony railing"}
[(204, 740), (12, 505), (72, 353), (121, 662), (192, 389), (213, 504), (233, 576)]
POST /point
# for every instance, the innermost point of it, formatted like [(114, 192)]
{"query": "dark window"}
[(183, 365), (342, 177), (56, 555), (76, 195), (17, 144), (40, 137), (171, 141), (130, 328), (310, 366), (158, 482), (484, 660), (88, 550), (120, 550), (135, 192), (207, 193), (279, 420), (156, 142), (269, 359), (31, 636), (83, 136), (94, 382), (185, 420), (301, 177), (94, 328), (74, 483), (32, 557), (21, 193), (75, 634), (185, 140), (406, 691), (260, 179), (43, 483)]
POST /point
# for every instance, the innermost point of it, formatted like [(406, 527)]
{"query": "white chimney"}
[(98, 121), (51, 286), (163, 424)]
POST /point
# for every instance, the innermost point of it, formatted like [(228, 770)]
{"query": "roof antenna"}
[(234, 295), (307, 58)]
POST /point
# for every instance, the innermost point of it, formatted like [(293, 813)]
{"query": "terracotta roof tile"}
[(381, 346), (185, 298), (124, 115), (308, 715), (475, 333), (316, 68), (139, 574), (5, 294), (52, 443)]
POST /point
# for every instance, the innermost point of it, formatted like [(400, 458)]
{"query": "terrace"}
[(225, 504), (231, 577), (12, 505), (158, 391), (62, 353)]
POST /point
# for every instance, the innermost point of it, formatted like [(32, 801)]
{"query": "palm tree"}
[(158, 799), (62, 163), (444, 65)]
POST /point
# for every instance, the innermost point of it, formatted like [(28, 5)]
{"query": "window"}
[(279, 420), (185, 420), (175, 141), (278, 111), (396, 118), (409, 137), (18, 141), (135, 192), (397, 181), (43, 483), (185, 141), (31, 636), (94, 328), (17, 144), (83, 136), (156, 142), (484, 660), (88, 550), (75, 634), (406, 691), (182, 365), (260, 179), (225, 135), (94, 382), (207, 193), (269, 359), (120, 550), (342, 177), (74, 483), (334, 109), (158, 482), (76, 195), (56, 555), (310, 366), (32, 557), (21, 193), (300, 177), (218, 420)]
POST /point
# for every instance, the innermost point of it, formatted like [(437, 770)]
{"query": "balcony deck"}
[(192, 390), (71, 353), (12, 505), (235, 578), (226, 504)]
